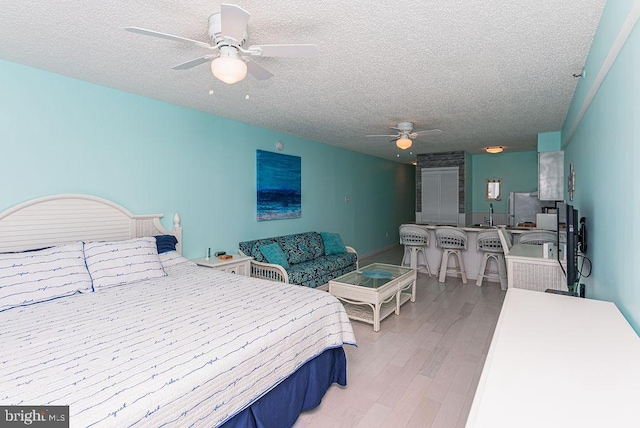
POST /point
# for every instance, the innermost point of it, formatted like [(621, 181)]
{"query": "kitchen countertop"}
[(472, 257), (480, 228)]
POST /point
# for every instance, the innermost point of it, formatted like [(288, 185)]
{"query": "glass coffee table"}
[(374, 292)]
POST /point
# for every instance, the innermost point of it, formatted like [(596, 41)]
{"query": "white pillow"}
[(122, 262), (36, 276), (172, 258)]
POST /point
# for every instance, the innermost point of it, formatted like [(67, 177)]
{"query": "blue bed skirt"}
[(301, 391)]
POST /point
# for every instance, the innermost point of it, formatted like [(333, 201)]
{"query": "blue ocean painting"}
[(279, 186)]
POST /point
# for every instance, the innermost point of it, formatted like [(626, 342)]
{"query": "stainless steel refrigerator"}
[(523, 207)]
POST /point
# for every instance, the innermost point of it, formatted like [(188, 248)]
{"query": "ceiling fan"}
[(230, 61), (406, 134)]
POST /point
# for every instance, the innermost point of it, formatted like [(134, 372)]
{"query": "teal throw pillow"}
[(274, 254), (333, 244)]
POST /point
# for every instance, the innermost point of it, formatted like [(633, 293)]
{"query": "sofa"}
[(310, 259)]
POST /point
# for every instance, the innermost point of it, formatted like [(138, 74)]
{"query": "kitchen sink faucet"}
[(490, 215)]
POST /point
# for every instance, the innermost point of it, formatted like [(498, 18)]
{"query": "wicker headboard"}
[(66, 218)]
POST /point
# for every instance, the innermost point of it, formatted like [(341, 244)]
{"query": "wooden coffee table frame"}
[(382, 301)]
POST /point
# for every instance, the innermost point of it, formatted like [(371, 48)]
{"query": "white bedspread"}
[(192, 348)]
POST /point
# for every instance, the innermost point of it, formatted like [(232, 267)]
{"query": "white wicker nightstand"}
[(240, 265)]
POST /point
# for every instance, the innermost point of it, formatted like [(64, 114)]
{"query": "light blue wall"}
[(549, 141), (61, 135), (605, 150), (518, 171)]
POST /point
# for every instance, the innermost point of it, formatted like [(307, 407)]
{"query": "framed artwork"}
[(279, 186)]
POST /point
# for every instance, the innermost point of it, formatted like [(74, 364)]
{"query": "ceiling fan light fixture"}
[(494, 149), (403, 143), (229, 68)]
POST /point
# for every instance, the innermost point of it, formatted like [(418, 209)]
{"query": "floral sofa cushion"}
[(321, 270), (305, 252), (301, 247), (252, 248)]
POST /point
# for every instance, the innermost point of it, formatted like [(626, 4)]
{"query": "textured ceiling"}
[(484, 72)]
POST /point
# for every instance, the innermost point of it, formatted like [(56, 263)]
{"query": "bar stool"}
[(415, 240), (538, 237), (489, 243), (452, 241), (506, 240)]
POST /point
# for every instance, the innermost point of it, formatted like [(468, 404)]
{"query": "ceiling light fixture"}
[(403, 143), (228, 67), (494, 149)]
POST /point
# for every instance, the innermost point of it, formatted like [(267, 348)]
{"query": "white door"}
[(440, 195)]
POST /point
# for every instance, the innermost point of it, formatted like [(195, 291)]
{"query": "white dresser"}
[(558, 361)]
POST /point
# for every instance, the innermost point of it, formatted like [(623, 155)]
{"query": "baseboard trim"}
[(378, 251)]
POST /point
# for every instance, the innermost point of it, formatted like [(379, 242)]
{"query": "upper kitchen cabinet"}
[(551, 176)]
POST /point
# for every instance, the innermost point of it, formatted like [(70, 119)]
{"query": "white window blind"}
[(440, 195)]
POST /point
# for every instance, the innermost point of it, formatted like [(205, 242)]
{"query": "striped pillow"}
[(36, 276), (122, 262), (172, 258)]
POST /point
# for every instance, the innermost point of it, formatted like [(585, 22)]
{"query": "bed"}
[(177, 346)]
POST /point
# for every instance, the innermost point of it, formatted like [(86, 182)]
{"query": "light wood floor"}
[(423, 366)]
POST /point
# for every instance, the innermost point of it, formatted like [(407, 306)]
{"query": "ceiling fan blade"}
[(193, 63), (233, 21), (429, 132), (169, 37), (290, 51), (396, 136), (258, 71)]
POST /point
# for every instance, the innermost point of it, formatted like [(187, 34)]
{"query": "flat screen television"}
[(568, 222)]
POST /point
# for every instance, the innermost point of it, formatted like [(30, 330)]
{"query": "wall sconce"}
[(571, 181)]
